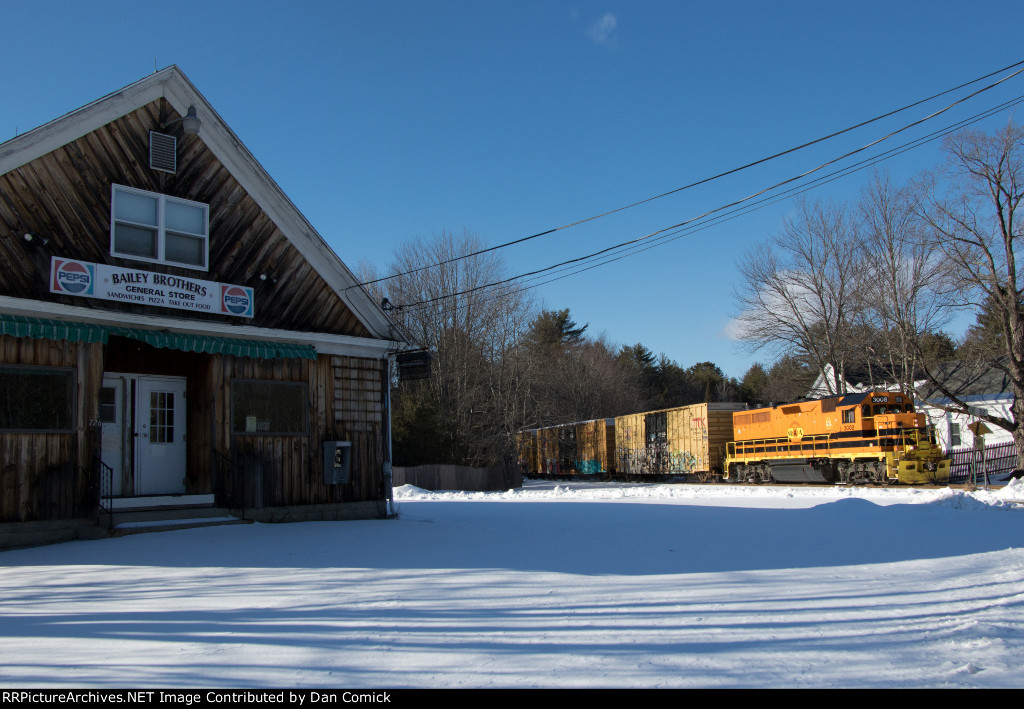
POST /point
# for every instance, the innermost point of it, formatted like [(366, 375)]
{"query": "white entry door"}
[(160, 436), (112, 417)]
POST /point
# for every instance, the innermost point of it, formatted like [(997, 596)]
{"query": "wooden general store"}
[(172, 326)]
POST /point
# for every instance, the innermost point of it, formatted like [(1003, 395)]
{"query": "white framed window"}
[(954, 434), (148, 226)]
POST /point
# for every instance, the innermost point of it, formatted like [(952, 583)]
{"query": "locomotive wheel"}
[(878, 475), (844, 473)]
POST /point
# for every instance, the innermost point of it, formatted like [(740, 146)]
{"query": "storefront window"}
[(36, 399), (268, 408)]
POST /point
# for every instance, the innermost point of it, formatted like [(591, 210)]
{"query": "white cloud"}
[(603, 30), (734, 330)]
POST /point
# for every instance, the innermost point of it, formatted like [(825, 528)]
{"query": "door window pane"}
[(161, 417)]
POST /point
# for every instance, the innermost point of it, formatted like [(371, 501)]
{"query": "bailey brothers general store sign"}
[(130, 285)]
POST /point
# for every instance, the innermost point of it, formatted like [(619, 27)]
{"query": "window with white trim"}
[(954, 434), (148, 226)]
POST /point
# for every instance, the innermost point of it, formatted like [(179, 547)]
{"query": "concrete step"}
[(149, 502), (166, 517), (167, 525), (152, 514)]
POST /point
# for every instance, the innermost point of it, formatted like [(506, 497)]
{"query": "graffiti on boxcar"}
[(684, 462), (701, 424)]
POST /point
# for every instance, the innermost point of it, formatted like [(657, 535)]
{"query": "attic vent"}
[(163, 152)]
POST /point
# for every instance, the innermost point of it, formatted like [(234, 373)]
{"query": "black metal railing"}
[(232, 486), (105, 474), (997, 460)]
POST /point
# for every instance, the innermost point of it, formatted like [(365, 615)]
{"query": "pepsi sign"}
[(236, 300), (135, 287), (72, 277)]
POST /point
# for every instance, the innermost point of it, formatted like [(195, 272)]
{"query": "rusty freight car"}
[(685, 440), (579, 448)]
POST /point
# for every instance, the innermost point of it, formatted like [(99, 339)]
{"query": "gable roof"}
[(172, 85), (969, 380)]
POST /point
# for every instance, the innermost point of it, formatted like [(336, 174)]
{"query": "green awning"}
[(44, 329), (41, 329), (258, 349)]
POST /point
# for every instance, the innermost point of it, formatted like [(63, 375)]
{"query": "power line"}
[(707, 179), (695, 224), (693, 228), (726, 206)]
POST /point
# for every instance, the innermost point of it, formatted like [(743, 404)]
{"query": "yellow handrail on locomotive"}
[(820, 443)]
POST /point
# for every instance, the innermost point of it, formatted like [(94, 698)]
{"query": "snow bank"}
[(754, 495)]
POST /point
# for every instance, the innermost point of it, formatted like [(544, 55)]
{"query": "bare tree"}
[(971, 209), (471, 333), (799, 292), (907, 293)]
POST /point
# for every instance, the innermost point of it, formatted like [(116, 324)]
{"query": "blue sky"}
[(385, 121)]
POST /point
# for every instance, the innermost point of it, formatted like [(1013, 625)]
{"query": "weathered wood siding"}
[(272, 471), (64, 196), (51, 475), (47, 476), (459, 477)]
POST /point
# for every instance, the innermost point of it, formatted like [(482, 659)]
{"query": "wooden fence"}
[(999, 459), (458, 477)]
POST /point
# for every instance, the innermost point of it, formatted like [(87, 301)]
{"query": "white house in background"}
[(820, 389), (989, 390)]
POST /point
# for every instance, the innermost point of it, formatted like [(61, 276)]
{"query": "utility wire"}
[(695, 224), (703, 181), (759, 204), (731, 204), (799, 189)]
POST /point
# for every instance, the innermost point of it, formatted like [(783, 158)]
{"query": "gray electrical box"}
[(337, 459)]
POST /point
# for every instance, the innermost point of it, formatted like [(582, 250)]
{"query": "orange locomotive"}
[(868, 437)]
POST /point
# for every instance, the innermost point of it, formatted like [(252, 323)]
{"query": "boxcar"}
[(686, 440), (580, 448)]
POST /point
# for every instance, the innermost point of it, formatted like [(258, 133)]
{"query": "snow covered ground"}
[(547, 586)]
